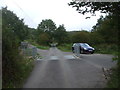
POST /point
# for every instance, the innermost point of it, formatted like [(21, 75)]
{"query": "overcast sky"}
[(34, 11)]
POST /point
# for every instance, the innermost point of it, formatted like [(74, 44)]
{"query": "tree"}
[(96, 38), (60, 35), (91, 7), (80, 36), (112, 8), (47, 26), (107, 28), (10, 20), (98, 24), (13, 31), (32, 34), (44, 39)]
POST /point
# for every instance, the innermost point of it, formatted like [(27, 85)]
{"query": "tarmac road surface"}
[(60, 69)]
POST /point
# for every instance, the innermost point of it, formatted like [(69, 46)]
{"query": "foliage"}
[(47, 33), (80, 36), (61, 35), (43, 39), (106, 48), (31, 34), (47, 26), (13, 64), (12, 22), (39, 46), (107, 28), (92, 7), (96, 38), (114, 79), (65, 47)]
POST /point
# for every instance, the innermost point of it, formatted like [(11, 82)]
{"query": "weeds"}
[(18, 72), (114, 79)]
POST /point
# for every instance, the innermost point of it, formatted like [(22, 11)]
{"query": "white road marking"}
[(76, 56), (69, 57), (53, 58), (38, 59)]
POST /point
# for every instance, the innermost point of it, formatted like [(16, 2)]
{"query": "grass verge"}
[(27, 69), (114, 79), (65, 47), (106, 49), (20, 72), (40, 46)]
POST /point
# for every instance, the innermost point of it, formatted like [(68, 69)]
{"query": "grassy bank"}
[(106, 49), (65, 47), (115, 76), (27, 69), (20, 73), (41, 46), (38, 46), (114, 79)]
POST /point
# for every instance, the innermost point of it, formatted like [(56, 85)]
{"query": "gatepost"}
[(34, 52), (77, 50)]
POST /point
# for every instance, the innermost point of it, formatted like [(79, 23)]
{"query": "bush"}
[(15, 71), (106, 48), (14, 66)]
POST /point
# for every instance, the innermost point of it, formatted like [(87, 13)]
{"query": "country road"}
[(60, 69)]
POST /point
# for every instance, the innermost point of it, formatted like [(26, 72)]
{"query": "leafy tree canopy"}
[(107, 28), (13, 31), (47, 26), (60, 34), (91, 7), (12, 22)]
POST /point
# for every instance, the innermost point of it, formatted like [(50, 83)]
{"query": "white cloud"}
[(34, 11)]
